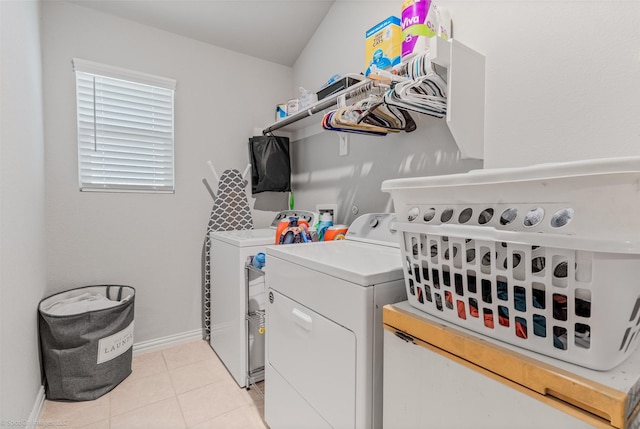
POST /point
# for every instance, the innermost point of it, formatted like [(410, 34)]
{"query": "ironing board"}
[(230, 212)]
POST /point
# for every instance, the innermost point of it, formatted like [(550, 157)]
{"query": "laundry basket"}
[(86, 336), (545, 257)]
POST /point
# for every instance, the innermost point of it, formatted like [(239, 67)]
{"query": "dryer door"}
[(316, 356)]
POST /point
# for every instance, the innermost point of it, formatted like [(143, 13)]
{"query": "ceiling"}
[(274, 30)]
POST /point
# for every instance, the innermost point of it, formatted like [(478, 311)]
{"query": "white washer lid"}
[(359, 263), (246, 237)]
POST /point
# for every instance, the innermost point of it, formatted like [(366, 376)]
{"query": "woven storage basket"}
[(86, 354), (545, 257)]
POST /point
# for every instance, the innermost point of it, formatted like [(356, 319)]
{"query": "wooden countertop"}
[(611, 397)]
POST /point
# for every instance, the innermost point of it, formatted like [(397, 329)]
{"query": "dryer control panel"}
[(378, 228), (305, 215)]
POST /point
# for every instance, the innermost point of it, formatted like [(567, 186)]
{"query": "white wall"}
[(562, 77), (320, 174), (561, 84), (151, 242), (22, 195)]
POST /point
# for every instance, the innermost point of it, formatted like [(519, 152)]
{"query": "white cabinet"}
[(437, 375), (465, 100), (424, 389), (237, 292)]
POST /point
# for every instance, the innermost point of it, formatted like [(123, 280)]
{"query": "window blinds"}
[(125, 129)]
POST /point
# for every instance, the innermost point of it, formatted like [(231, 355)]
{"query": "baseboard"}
[(32, 421), (144, 346), (168, 341)]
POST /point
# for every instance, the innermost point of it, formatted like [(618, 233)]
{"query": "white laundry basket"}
[(545, 257)]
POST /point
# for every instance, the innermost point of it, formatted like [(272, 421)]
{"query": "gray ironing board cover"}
[(230, 212)]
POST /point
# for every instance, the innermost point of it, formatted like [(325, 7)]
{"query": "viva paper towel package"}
[(444, 23), (419, 24)]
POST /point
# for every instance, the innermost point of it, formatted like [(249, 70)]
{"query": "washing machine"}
[(323, 364), (230, 296)]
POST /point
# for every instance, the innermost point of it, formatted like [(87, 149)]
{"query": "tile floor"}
[(185, 386)]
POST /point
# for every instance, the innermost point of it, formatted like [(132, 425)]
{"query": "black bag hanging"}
[(270, 164)]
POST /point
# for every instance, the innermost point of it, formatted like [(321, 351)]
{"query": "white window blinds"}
[(125, 129)]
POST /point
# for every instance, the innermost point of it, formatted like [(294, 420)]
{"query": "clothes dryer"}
[(230, 251), (324, 332)]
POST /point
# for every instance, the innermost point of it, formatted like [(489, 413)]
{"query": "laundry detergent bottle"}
[(295, 232), (326, 220)]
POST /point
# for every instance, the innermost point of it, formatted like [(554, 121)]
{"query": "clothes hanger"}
[(370, 115), (388, 116), (425, 92), (334, 121)]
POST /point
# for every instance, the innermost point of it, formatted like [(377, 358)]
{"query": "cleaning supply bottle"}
[(335, 232), (326, 220), (294, 232), (259, 260), (313, 234), (307, 98), (282, 225)]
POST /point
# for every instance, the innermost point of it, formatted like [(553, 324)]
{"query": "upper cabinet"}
[(465, 77), (465, 98)]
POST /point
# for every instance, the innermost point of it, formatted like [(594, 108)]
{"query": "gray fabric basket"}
[(86, 354)]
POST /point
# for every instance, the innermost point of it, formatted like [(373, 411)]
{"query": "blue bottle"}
[(326, 220), (258, 260)]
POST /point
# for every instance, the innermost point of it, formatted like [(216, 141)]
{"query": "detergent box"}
[(383, 44)]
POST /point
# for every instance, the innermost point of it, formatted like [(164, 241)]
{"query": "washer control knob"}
[(271, 297), (392, 225), (374, 222)]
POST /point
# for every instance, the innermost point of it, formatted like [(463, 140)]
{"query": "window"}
[(125, 129)]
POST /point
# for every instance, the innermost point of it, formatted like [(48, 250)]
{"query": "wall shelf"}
[(465, 70), (307, 122), (466, 94)]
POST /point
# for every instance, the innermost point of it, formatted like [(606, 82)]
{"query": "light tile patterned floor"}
[(185, 386)]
